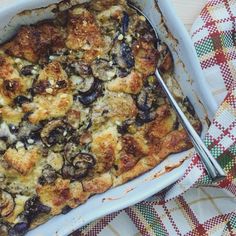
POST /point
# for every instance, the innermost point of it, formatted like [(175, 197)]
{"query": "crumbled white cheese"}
[(128, 38), (17, 60), (5, 132), (52, 57), (111, 73), (30, 141), (63, 95), (121, 37), (142, 18), (49, 90), (118, 122), (19, 145), (34, 72), (51, 81)]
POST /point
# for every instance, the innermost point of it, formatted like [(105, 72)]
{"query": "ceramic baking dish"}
[(188, 74)]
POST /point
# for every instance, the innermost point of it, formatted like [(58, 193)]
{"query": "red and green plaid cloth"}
[(195, 206)]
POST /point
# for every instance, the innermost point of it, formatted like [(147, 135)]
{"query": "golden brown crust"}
[(52, 80), (131, 84), (145, 56), (174, 142), (55, 196), (163, 124), (22, 160), (120, 107), (104, 146), (61, 194), (11, 83), (143, 165), (98, 184), (135, 145), (11, 115), (34, 42), (41, 107), (84, 33), (6, 67)]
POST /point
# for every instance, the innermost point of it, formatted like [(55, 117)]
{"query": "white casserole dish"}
[(187, 72)]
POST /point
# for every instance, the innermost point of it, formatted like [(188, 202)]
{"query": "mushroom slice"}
[(55, 132), (127, 55), (49, 175), (84, 159), (71, 172), (7, 203), (81, 68), (80, 166), (82, 163), (27, 70), (70, 150), (103, 70), (34, 207)]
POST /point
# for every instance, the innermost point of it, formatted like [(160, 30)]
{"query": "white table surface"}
[(188, 10)]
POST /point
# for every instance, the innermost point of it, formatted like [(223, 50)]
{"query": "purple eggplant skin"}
[(27, 70), (123, 128), (92, 95), (125, 23), (66, 210), (89, 99), (127, 55), (20, 100), (33, 207), (19, 229)]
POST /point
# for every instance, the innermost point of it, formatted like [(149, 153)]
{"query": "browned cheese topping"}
[(81, 110)]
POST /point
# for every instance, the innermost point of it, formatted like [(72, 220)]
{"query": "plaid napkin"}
[(194, 205)]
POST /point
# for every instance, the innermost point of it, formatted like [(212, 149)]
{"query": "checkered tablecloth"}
[(194, 205)]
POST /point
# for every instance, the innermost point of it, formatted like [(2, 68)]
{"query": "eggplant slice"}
[(91, 94)]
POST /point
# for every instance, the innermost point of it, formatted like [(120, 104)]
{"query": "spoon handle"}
[(212, 166)]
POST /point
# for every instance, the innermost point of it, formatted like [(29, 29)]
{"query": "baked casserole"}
[(81, 110)]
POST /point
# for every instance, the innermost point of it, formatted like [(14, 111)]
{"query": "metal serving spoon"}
[(212, 166)]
